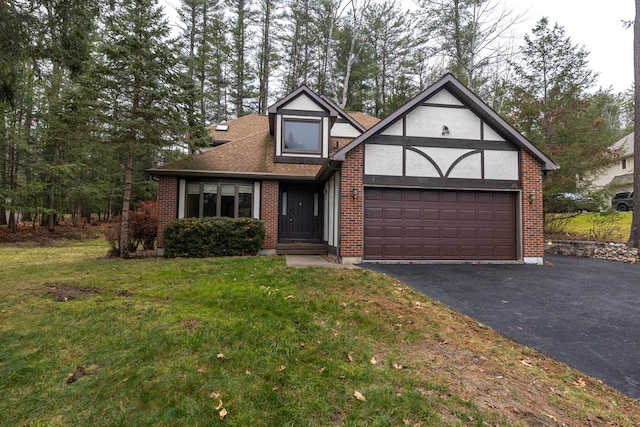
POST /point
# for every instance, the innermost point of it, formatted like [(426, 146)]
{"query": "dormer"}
[(301, 127)]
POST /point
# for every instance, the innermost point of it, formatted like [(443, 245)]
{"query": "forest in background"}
[(94, 93)]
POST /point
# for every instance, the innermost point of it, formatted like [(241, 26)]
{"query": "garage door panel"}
[(374, 213), (373, 231), (392, 213), (413, 213), (392, 231), (428, 214), (467, 233), (467, 215), (430, 232), (449, 214), (449, 232), (412, 232), (391, 195), (439, 224)]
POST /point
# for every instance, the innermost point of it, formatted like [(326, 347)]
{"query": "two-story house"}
[(619, 175), (442, 178)]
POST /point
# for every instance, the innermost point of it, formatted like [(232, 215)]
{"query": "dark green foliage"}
[(207, 237)]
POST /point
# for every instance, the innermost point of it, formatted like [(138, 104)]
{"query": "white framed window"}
[(212, 199), (301, 135)]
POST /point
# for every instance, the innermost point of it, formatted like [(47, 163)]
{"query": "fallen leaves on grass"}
[(374, 361), (222, 413), (397, 366), (220, 356), (359, 396), (525, 362)]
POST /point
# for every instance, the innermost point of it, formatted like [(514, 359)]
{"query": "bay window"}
[(211, 199)]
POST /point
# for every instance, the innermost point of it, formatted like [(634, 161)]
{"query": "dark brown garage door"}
[(439, 224)]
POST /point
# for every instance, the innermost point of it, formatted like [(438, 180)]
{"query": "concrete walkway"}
[(302, 261)]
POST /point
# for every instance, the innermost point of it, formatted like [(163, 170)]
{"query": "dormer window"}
[(302, 136)]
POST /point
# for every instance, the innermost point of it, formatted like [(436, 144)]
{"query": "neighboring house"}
[(442, 178), (619, 175)]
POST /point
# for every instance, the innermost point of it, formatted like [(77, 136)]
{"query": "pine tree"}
[(242, 74), (138, 78), (551, 105)]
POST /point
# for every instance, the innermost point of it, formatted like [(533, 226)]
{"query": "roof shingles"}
[(251, 151)]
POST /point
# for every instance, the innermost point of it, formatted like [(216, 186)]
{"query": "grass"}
[(613, 227), (175, 342)]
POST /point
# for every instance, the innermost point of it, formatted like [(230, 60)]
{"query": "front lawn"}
[(90, 341), (609, 227)]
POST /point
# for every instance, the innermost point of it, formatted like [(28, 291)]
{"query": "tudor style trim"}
[(468, 98)]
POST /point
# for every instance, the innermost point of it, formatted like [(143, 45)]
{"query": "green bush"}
[(212, 237)]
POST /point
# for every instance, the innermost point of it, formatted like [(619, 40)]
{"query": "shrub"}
[(207, 237), (605, 225), (143, 226)]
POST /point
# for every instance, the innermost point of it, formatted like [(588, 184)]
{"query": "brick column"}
[(269, 212), (167, 203), (532, 210), (351, 208)]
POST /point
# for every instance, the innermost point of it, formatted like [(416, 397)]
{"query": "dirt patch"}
[(190, 324), (124, 294), (64, 293)]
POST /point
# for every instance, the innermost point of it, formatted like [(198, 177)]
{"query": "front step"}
[(301, 249)]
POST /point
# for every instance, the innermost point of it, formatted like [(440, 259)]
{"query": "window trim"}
[(313, 120), (218, 199)]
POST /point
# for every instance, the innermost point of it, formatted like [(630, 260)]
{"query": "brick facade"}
[(167, 203), (269, 212), (351, 208), (532, 213)]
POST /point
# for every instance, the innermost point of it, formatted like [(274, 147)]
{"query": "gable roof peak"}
[(304, 89), (470, 100)]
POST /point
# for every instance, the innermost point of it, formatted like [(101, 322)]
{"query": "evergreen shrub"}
[(213, 237)]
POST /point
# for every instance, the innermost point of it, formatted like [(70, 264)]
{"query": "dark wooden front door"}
[(299, 215), (439, 224)]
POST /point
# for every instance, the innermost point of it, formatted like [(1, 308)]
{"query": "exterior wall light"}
[(354, 193), (445, 130)]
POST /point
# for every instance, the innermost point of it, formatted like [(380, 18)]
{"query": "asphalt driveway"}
[(583, 312)]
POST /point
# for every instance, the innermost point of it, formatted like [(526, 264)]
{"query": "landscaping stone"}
[(601, 250)]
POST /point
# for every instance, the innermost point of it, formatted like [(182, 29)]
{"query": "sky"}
[(594, 24)]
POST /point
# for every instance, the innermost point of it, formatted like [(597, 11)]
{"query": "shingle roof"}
[(241, 127), (364, 119), (625, 145), (250, 152), (249, 155)]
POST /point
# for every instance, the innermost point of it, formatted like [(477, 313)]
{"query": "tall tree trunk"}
[(126, 203), (265, 59), (634, 238)]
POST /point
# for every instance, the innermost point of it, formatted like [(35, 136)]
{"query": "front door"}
[(299, 215)]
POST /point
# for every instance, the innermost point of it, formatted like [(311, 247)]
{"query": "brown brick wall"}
[(351, 218), (532, 213), (269, 212), (167, 203)]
